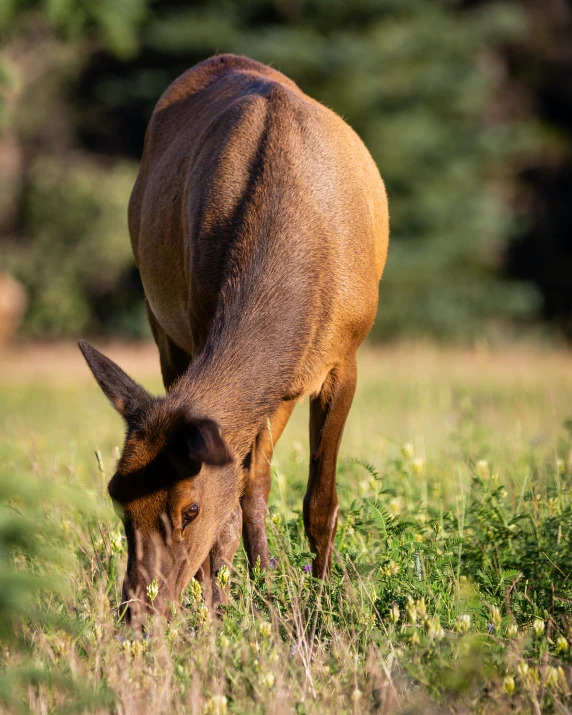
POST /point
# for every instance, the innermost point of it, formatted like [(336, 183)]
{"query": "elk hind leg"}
[(328, 413)]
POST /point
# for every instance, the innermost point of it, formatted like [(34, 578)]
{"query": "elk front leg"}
[(328, 413), (221, 554), (257, 480)]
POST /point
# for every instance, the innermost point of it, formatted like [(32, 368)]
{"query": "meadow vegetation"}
[(451, 586)]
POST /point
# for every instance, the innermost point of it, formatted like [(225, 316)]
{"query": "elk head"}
[(175, 487)]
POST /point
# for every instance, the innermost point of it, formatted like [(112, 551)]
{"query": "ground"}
[(450, 589)]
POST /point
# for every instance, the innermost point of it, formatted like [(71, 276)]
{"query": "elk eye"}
[(189, 514)]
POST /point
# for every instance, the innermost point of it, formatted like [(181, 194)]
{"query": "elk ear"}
[(124, 393), (206, 443)]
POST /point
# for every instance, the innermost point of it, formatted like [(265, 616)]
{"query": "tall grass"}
[(451, 586)]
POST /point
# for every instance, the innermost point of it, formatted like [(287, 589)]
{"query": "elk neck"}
[(253, 351)]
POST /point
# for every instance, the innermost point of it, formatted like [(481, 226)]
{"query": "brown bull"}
[(259, 224)]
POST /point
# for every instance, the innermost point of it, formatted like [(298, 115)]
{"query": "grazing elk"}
[(259, 225)]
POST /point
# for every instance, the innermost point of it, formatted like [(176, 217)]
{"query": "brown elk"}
[(259, 224)]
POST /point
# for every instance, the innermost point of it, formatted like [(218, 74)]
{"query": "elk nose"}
[(133, 607), (125, 605)]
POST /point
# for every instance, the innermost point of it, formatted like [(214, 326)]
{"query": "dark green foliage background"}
[(421, 82)]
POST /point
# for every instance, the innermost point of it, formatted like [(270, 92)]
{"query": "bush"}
[(77, 251)]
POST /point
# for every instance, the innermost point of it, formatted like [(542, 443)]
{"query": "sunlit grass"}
[(451, 586)]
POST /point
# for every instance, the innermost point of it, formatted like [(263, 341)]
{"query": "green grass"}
[(451, 588)]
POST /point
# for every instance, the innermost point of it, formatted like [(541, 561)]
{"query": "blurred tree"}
[(63, 212), (113, 24), (413, 78), (539, 65)]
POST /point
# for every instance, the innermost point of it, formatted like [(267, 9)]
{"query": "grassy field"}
[(451, 589)]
